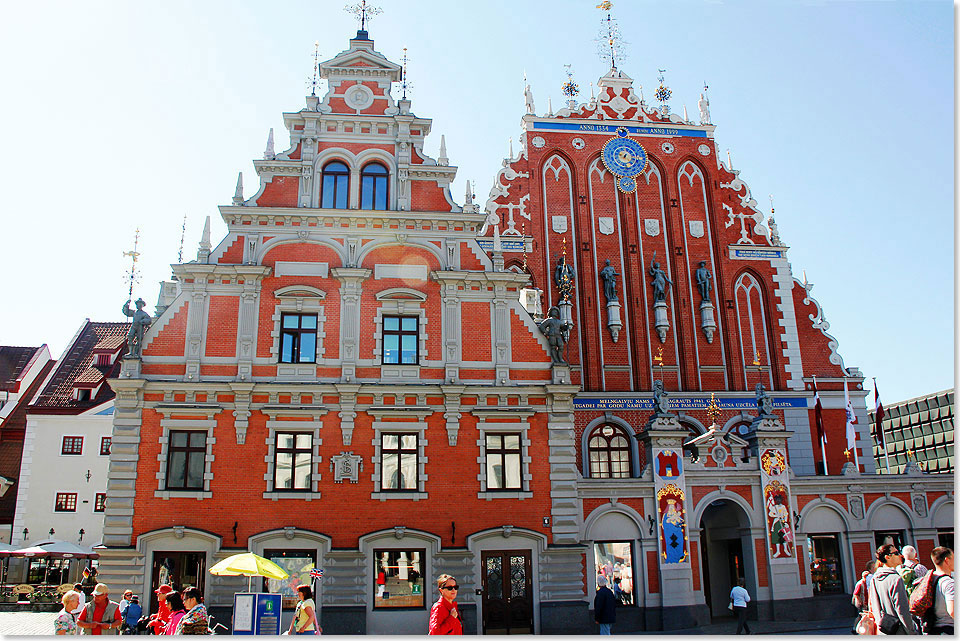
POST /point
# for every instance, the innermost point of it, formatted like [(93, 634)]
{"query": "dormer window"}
[(373, 186), (336, 185)]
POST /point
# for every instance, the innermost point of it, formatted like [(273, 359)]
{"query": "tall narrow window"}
[(401, 339), (298, 338), (373, 186), (105, 442), (336, 185), (291, 469), (398, 470), (609, 452), (503, 462), (185, 460)]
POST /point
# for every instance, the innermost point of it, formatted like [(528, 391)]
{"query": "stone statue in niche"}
[(764, 403), (141, 321), (661, 401), (563, 276), (703, 277), (660, 281), (609, 276), (557, 334)]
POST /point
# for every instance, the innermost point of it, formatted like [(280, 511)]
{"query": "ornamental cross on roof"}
[(609, 41), (314, 82), (405, 84), (363, 12)]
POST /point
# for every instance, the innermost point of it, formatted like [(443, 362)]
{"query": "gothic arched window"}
[(336, 185), (373, 186), (609, 451)]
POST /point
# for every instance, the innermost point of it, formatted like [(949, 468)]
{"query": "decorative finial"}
[(511, 149), (269, 153), (183, 234), (847, 454), (404, 82), (133, 273), (592, 98), (570, 89), (772, 225), (468, 197), (729, 160), (713, 411), (609, 41), (549, 106), (203, 251), (685, 113), (314, 81), (238, 193), (442, 159), (363, 13), (663, 94)]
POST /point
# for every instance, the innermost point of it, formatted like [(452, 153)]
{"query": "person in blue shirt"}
[(132, 615)]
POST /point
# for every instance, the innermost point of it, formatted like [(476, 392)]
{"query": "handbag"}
[(730, 607), (866, 624)]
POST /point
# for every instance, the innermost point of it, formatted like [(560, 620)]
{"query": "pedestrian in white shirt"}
[(739, 597)]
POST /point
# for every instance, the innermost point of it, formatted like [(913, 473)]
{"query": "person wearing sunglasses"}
[(444, 615), (888, 595)]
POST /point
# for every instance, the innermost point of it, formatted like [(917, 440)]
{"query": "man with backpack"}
[(933, 599)]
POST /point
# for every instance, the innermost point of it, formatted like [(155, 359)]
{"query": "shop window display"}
[(825, 570), (398, 579)]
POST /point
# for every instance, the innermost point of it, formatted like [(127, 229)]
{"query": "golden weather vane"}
[(713, 412)]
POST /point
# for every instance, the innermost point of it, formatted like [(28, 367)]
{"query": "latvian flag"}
[(818, 412), (316, 573), (878, 418)]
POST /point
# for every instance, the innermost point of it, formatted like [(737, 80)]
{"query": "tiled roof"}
[(74, 366), (13, 360), (110, 343)]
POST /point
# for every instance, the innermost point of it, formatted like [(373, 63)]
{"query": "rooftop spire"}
[(238, 193), (314, 81), (269, 153), (363, 12), (404, 83), (133, 273), (203, 251), (609, 42), (442, 159)]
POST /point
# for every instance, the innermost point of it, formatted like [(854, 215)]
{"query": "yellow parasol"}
[(249, 565)]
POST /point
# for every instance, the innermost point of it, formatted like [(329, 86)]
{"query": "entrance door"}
[(179, 569), (507, 592)]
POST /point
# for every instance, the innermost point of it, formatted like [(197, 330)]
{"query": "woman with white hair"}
[(66, 622)]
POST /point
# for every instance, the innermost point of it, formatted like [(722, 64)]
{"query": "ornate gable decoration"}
[(349, 75)]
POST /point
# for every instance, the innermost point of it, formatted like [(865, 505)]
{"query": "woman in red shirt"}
[(444, 616)]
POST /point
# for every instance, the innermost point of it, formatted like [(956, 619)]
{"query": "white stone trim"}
[(174, 424), (394, 372), (381, 427), (406, 272), (304, 427), (293, 268), (494, 427)]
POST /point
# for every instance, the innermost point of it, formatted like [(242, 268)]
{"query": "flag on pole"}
[(316, 573), (878, 417), (851, 419), (818, 411)]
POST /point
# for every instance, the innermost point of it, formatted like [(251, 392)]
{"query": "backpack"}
[(925, 595), (909, 576)]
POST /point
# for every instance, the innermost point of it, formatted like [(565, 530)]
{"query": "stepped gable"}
[(77, 367)]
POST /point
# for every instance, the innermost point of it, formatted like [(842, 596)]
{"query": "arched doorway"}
[(727, 553)]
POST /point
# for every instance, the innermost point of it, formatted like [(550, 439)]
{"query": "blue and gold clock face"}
[(625, 158)]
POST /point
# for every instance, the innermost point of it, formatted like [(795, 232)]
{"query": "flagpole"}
[(823, 434), (848, 411), (879, 424)]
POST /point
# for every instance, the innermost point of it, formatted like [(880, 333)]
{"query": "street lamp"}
[(52, 532), (26, 532), (81, 534)]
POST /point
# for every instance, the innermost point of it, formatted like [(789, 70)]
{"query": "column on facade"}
[(351, 284)]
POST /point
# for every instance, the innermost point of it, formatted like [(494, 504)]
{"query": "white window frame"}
[(496, 427), (411, 304), (303, 427), (174, 424), (389, 427), (298, 299)]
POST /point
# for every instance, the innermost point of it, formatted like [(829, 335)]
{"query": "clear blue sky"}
[(123, 114)]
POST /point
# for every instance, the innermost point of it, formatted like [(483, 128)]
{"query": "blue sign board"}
[(507, 245), (685, 404), (256, 613), (612, 129), (762, 254)]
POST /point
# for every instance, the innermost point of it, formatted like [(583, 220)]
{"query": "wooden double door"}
[(507, 587)]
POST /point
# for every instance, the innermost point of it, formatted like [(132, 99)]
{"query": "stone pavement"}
[(26, 623)]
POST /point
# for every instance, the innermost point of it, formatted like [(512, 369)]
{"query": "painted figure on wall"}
[(673, 538), (778, 520)]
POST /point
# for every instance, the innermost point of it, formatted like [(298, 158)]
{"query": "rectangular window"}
[(398, 578), (186, 458), (615, 562), (401, 340), (100, 502), (298, 338), (105, 443), (503, 462), (296, 563), (291, 464), (824, 556), (399, 468), (66, 502), (72, 445), (945, 538), (888, 536)]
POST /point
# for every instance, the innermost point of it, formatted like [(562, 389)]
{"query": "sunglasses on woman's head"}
[(450, 587)]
